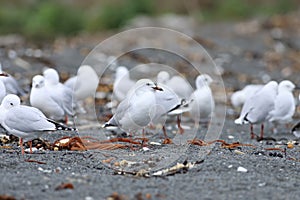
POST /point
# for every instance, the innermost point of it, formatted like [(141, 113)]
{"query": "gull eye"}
[(148, 84), (11, 104)]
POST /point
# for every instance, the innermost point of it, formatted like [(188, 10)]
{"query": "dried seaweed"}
[(34, 161), (65, 186), (178, 168), (6, 197), (89, 143), (223, 143)]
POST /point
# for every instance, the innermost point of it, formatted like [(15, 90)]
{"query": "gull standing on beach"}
[(26, 122), (202, 102), (285, 105), (257, 108), (134, 112), (40, 98), (59, 92)]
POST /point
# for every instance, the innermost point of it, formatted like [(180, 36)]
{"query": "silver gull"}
[(257, 108), (26, 122)]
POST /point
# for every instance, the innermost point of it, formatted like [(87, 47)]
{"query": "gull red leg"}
[(262, 131), (165, 132), (143, 137), (66, 119), (30, 146), (167, 140), (21, 145), (181, 130), (251, 131)]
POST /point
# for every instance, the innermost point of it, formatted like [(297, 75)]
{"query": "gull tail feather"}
[(111, 123), (59, 126)]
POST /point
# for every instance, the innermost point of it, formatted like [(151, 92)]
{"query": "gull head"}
[(122, 72), (38, 81), (238, 98), (286, 85), (163, 77), (143, 85), (272, 85), (10, 101), (203, 80), (85, 69), (51, 76)]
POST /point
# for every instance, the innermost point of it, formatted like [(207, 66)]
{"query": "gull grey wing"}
[(122, 109), (68, 100), (283, 106), (27, 119), (70, 83), (13, 87), (260, 108)]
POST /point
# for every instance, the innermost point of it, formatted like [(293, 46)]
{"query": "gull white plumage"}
[(257, 108), (134, 112), (11, 85), (178, 84), (26, 122), (2, 90), (84, 84), (40, 98), (122, 83), (59, 92), (285, 106), (239, 97), (296, 128), (202, 102)]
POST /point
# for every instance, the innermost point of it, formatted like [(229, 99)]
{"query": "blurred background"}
[(243, 37), (47, 19)]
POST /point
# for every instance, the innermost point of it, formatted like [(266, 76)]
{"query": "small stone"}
[(34, 149), (230, 137), (290, 145), (238, 152), (123, 163), (261, 184), (58, 169), (242, 169), (146, 149), (155, 143)]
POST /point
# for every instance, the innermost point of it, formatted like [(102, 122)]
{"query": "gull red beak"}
[(157, 88), (4, 74)]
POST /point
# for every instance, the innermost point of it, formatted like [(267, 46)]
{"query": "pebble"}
[(34, 149), (242, 169), (146, 149), (155, 143), (238, 152), (45, 170), (261, 184), (290, 145)]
